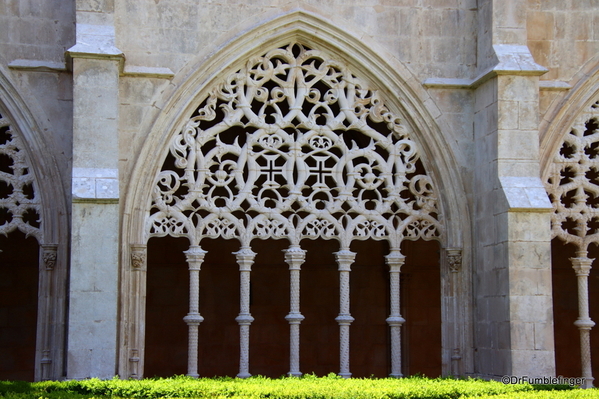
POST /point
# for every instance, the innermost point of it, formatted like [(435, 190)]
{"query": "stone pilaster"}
[(96, 64), (514, 331)]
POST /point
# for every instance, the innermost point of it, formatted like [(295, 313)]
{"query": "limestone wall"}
[(148, 52), (34, 38)]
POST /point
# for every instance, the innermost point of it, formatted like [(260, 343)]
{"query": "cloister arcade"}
[(360, 188)]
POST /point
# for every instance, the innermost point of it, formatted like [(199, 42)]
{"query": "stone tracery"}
[(573, 187), (20, 206), (294, 146)]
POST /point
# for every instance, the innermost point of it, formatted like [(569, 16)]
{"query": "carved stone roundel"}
[(294, 146), (573, 184)]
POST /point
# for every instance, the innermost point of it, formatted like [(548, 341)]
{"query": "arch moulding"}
[(563, 112), (403, 96)]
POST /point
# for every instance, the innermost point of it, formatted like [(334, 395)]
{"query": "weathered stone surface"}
[(488, 95)]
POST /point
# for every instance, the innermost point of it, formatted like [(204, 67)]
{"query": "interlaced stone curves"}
[(20, 206), (573, 183), (294, 146)]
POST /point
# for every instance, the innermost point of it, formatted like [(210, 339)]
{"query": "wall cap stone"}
[(147, 72), (515, 60), (37, 65), (525, 194), (95, 42), (554, 85)]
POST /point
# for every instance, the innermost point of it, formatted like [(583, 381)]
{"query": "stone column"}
[(195, 257), (454, 262), (395, 260), (245, 259), (582, 266), (135, 315), (94, 273), (45, 354), (294, 256), (344, 258)]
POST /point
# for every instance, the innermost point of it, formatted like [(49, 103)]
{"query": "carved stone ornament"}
[(573, 183), (573, 187), (293, 145), (49, 255), (138, 257), (20, 206), (454, 259)]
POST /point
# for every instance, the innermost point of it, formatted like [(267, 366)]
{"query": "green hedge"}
[(307, 387)]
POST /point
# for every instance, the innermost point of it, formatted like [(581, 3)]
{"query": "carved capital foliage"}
[(49, 255), (20, 206), (295, 257), (573, 183), (454, 259), (138, 256), (195, 257), (292, 146)]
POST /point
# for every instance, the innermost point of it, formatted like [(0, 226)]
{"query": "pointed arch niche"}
[(282, 160), (571, 175), (33, 236)]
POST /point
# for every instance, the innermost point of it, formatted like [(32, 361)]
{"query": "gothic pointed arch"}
[(33, 202), (294, 146), (571, 177), (326, 147)]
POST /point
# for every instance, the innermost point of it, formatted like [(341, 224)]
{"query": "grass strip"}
[(306, 387)]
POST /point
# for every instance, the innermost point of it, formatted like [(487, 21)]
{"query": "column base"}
[(344, 375), (396, 375), (244, 375), (294, 374), (588, 383), (193, 375)]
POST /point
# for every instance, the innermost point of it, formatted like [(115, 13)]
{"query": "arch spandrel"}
[(294, 145)]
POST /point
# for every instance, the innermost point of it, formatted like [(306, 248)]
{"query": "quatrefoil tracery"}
[(294, 146)]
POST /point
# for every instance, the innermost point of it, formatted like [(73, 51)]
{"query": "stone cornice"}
[(514, 60)]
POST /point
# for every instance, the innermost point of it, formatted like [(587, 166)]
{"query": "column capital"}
[(138, 256), (581, 264), (49, 255), (194, 256), (395, 260), (344, 259), (245, 258), (295, 257), (454, 259)]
